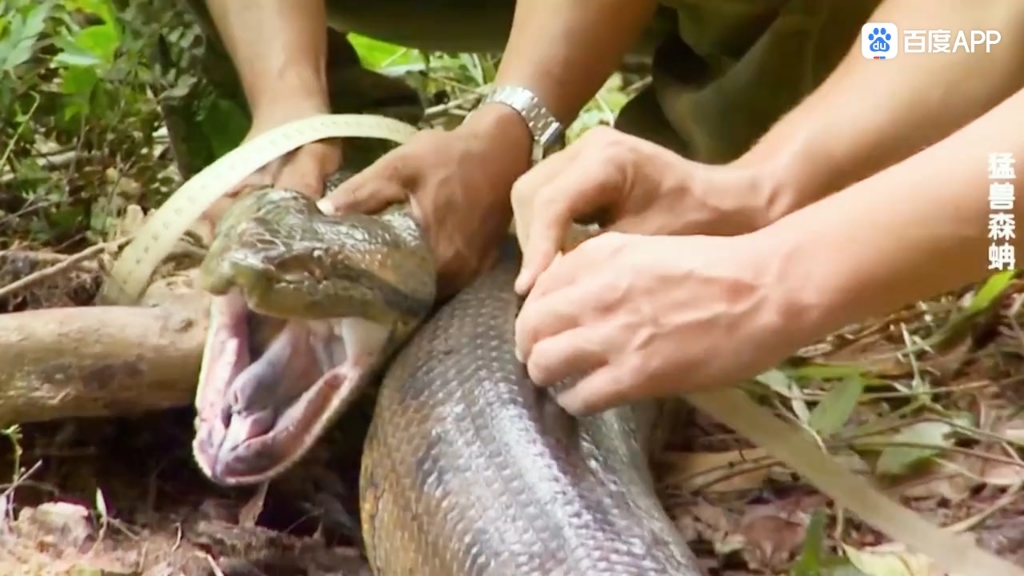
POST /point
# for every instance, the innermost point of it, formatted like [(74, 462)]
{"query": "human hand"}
[(303, 170), (626, 184), (458, 185), (649, 316)]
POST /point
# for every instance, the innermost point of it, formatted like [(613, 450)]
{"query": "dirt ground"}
[(132, 502)]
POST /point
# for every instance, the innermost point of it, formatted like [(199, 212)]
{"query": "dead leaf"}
[(716, 471), (717, 527), (1002, 473), (949, 485), (62, 525), (771, 541), (250, 512)]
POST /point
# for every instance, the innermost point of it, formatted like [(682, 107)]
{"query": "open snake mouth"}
[(269, 387)]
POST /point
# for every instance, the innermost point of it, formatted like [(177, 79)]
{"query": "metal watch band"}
[(547, 131)]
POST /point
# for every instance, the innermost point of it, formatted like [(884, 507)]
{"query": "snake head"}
[(306, 309)]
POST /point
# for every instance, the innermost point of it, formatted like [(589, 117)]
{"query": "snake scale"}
[(468, 468)]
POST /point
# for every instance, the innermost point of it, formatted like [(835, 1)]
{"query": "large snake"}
[(468, 468)]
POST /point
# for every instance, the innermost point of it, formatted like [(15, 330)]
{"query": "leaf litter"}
[(924, 402)]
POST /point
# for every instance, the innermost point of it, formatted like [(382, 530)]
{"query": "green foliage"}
[(378, 55), (87, 86), (77, 80)]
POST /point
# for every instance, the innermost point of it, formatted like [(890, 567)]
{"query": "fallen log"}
[(103, 360)]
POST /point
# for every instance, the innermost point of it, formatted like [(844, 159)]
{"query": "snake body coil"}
[(470, 469)]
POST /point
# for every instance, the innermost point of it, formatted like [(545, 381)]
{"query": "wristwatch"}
[(547, 132)]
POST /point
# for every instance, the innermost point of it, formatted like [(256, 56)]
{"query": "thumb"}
[(387, 181), (577, 191)]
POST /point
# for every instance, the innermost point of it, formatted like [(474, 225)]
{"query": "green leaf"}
[(785, 386), (990, 291), (72, 54), (896, 460), (78, 81), (225, 125), (829, 416), (100, 41), (24, 37), (102, 8), (826, 372), (375, 54), (77, 59)]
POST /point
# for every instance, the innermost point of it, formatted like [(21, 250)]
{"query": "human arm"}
[(583, 41), (279, 49), (869, 115), (910, 232), (630, 312)]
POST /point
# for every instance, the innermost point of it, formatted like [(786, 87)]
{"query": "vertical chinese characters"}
[(1001, 224)]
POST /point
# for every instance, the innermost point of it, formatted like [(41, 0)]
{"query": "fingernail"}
[(325, 207), (570, 402), (519, 355), (522, 282)]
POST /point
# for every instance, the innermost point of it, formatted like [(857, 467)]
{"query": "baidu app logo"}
[(879, 41)]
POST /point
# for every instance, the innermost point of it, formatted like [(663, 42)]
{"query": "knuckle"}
[(600, 134), (607, 141), (425, 138), (524, 333), (522, 192), (536, 368)]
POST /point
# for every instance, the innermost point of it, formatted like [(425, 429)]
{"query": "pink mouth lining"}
[(245, 433)]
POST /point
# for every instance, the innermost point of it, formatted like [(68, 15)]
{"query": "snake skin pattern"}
[(471, 470)]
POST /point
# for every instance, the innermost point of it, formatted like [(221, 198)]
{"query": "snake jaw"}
[(261, 405)]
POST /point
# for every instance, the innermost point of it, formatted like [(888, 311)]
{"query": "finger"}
[(569, 269), (301, 178), (385, 182), (528, 185), (607, 387), (308, 168), (369, 198), (258, 179), (570, 354), (545, 316), (578, 190)]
